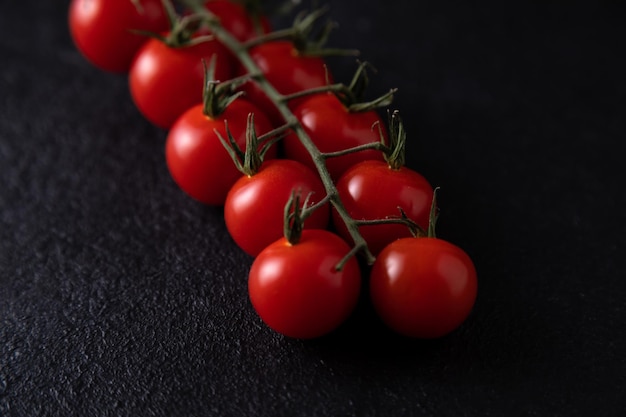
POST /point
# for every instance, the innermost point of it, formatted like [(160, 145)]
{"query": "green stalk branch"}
[(268, 37), (275, 134), (307, 211), (241, 51), (330, 88), (373, 145)]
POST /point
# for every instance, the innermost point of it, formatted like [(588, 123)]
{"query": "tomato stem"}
[(330, 88), (249, 162), (291, 122), (382, 101), (395, 153), (232, 147), (181, 28), (217, 95), (268, 37), (353, 252), (308, 45), (252, 156), (415, 229), (307, 211), (367, 146), (294, 220)]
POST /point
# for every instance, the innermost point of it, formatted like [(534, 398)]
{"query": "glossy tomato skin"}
[(198, 161), (101, 30), (287, 71), (235, 18), (165, 81), (254, 207), (296, 290), (372, 190), (333, 128), (423, 287)]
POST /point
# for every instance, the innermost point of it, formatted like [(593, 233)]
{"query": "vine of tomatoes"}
[(310, 176)]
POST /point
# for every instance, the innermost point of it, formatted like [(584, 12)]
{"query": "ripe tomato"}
[(102, 29), (423, 287), (236, 19), (254, 206), (372, 190), (296, 290), (166, 81), (197, 159), (287, 71), (333, 128)]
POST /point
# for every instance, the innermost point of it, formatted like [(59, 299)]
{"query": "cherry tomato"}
[(197, 159), (254, 206), (372, 190), (296, 290), (423, 287), (333, 128), (166, 81), (236, 19), (287, 71), (102, 29)]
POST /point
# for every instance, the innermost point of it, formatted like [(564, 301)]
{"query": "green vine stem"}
[(181, 28), (240, 50)]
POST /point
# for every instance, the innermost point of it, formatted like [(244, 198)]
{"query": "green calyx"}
[(293, 219), (394, 152), (307, 37), (434, 215), (182, 29), (352, 95), (249, 161), (218, 95), (415, 229), (311, 43)]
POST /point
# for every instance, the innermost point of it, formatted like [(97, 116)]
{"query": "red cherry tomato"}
[(254, 206), (296, 290), (287, 71), (166, 81), (102, 29), (372, 190), (236, 19), (333, 128), (197, 159), (423, 287)]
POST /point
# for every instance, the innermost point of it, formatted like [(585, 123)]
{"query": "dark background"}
[(119, 295)]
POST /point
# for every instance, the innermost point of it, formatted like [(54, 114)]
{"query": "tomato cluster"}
[(256, 124)]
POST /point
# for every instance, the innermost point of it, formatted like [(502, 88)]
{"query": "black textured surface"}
[(121, 296)]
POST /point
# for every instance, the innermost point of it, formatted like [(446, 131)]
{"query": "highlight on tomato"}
[(105, 32)]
